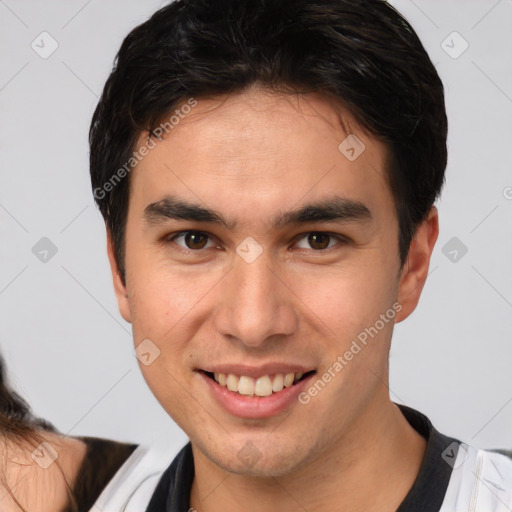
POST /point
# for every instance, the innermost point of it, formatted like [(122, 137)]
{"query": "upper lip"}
[(257, 371)]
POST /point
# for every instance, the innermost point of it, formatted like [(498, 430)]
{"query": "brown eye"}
[(319, 240), (194, 240)]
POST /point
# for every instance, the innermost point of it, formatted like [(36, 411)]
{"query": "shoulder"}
[(38, 471), (42, 472), (481, 481)]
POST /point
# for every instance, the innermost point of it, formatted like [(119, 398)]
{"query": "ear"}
[(415, 270), (119, 288)]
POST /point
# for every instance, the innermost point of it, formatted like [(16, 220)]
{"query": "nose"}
[(255, 305)]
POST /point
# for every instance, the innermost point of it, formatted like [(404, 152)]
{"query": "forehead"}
[(259, 151)]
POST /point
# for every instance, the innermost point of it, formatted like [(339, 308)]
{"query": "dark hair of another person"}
[(362, 53)]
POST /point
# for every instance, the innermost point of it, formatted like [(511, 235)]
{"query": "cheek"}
[(168, 305), (162, 307), (158, 303), (160, 294), (347, 299)]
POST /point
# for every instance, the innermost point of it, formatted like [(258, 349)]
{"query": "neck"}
[(370, 468)]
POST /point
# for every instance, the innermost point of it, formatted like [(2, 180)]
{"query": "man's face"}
[(261, 298)]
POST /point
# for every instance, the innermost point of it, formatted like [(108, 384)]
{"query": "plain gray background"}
[(68, 350)]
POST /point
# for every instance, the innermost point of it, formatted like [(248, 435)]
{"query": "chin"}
[(257, 457)]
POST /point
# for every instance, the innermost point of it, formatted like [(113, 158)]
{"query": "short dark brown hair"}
[(362, 53)]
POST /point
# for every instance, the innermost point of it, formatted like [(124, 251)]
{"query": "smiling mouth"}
[(263, 386)]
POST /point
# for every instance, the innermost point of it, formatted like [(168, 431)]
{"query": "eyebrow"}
[(335, 208)]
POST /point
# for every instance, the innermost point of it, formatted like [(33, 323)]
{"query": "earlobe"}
[(119, 287), (415, 270)]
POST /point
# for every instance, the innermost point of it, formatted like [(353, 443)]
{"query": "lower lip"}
[(254, 406)]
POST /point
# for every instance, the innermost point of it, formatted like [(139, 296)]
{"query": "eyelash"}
[(341, 239)]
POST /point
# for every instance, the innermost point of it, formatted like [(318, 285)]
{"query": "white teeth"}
[(288, 379), (262, 386), (232, 382), (246, 385), (278, 385)]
